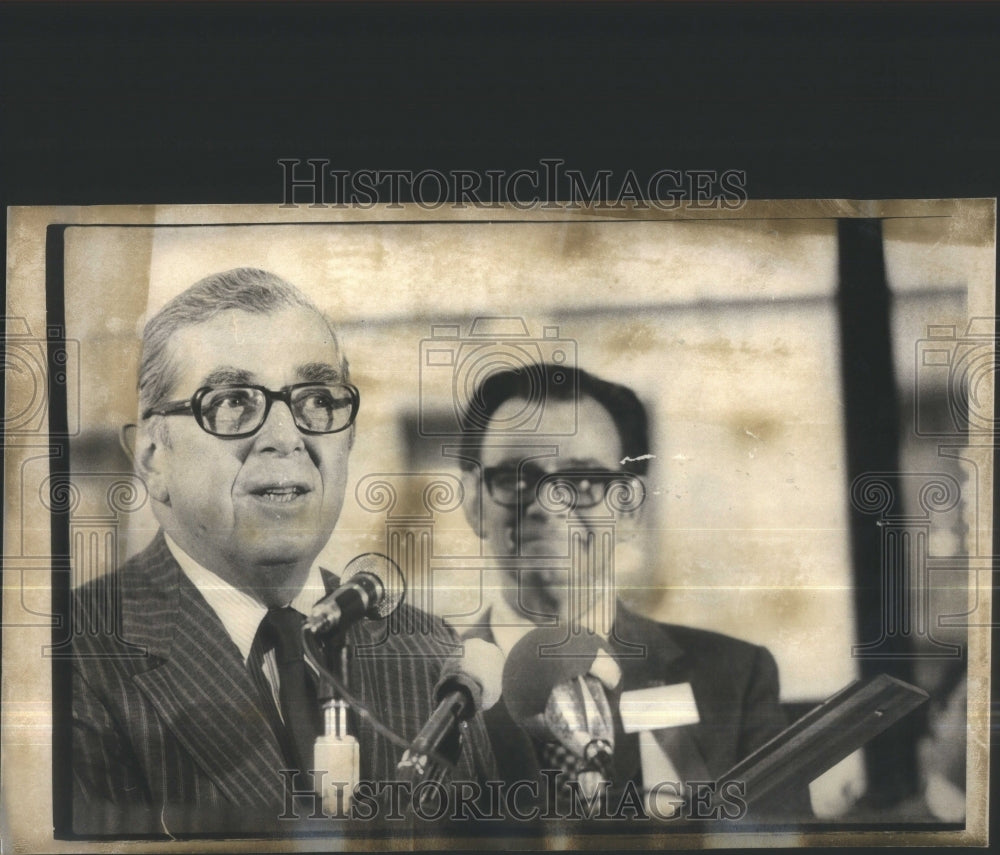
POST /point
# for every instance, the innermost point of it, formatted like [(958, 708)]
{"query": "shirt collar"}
[(240, 613), (508, 627)]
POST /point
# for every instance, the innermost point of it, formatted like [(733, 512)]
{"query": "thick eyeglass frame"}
[(527, 487), (193, 406)]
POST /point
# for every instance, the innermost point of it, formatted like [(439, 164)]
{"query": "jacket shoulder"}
[(141, 569), (709, 641), (706, 651), (105, 612)]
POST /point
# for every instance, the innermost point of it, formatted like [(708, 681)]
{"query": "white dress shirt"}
[(240, 613)]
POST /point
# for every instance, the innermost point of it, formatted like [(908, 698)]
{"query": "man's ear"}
[(148, 450), (126, 438), (472, 500)]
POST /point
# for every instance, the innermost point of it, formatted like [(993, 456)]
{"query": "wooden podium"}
[(824, 736)]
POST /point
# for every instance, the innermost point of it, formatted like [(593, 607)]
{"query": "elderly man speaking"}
[(183, 716)]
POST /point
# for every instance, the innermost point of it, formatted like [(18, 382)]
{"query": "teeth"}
[(280, 494)]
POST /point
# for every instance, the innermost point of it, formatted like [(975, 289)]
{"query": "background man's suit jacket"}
[(168, 730), (735, 686)]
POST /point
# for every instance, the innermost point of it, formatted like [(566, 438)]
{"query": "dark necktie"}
[(280, 630)]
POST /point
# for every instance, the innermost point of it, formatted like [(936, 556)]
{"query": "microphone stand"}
[(336, 752)]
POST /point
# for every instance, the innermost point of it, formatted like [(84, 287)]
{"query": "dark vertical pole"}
[(62, 697), (871, 428)]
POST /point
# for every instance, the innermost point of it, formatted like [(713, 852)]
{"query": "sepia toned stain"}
[(978, 226), (725, 347), (633, 337), (780, 347), (754, 428), (581, 241), (944, 223)]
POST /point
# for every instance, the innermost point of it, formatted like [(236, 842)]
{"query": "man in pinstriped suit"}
[(247, 420)]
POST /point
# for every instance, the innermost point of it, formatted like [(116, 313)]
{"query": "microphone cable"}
[(313, 656)]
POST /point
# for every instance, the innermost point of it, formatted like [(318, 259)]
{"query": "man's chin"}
[(540, 606), (285, 549), (543, 605)]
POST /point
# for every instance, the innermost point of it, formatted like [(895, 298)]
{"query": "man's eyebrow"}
[(319, 372), (584, 463), (227, 375), (570, 464), (508, 463)]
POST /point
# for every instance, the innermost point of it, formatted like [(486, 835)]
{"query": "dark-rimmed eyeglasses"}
[(239, 410), (519, 486)]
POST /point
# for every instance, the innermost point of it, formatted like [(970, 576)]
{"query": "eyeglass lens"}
[(241, 409), (510, 485)]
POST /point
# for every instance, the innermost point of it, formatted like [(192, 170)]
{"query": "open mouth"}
[(280, 495)]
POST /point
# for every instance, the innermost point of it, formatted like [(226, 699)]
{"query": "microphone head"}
[(607, 670), (542, 660), (479, 671), (383, 568), (488, 660), (578, 712)]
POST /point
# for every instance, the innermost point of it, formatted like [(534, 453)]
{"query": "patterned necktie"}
[(280, 631)]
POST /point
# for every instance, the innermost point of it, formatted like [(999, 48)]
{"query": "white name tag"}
[(658, 707)]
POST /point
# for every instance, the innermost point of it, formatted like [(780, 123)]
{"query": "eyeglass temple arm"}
[(169, 409)]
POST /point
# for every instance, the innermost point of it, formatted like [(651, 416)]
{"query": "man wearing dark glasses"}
[(186, 712), (553, 463)]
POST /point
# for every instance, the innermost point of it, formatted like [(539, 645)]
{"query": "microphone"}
[(562, 697), (466, 685), (579, 716), (371, 586), (544, 658)]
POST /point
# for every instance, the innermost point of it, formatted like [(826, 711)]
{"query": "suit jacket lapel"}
[(664, 663), (198, 682)]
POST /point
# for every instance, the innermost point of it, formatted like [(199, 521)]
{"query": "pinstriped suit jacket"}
[(168, 731)]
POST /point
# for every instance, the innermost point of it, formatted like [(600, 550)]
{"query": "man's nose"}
[(545, 500), (526, 498), (279, 433), (530, 507)]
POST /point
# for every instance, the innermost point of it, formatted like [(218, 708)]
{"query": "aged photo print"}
[(575, 526)]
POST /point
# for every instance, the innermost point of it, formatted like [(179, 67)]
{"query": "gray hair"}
[(246, 289)]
